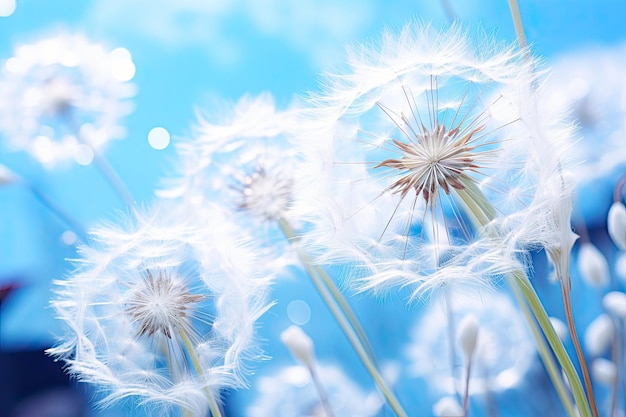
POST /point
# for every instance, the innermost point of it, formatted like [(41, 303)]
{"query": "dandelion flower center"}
[(162, 304), (432, 159), (265, 195)]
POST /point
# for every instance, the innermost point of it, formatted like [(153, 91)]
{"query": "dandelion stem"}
[(448, 10), (346, 310), (569, 314), (337, 295), (103, 165), (546, 356), (468, 370), (517, 22), (322, 393), (345, 326), (482, 213), (615, 354), (451, 344), (56, 209), (215, 409), (114, 179)]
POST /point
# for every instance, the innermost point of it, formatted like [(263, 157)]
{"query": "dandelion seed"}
[(162, 310)]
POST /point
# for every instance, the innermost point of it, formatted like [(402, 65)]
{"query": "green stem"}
[(555, 342), (482, 213), (517, 22), (346, 310), (215, 409), (545, 354), (337, 295), (322, 393), (344, 324)]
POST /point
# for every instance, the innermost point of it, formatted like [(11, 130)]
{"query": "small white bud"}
[(616, 224), (447, 407), (560, 328), (599, 335), (467, 335), (603, 371), (593, 266), (7, 176), (614, 303), (299, 344)]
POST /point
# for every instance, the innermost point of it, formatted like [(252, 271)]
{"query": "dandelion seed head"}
[(53, 88), (161, 305), (411, 142), (245, 159), (161, 310)]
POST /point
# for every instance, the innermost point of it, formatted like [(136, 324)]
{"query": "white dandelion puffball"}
[(162, 311), (63, 97), (411, 152), (503, 354), (245, 160), (590, 84), (291, 393)]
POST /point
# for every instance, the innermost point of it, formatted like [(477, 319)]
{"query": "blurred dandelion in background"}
[(504, 353), (290, 392), (63, 98)]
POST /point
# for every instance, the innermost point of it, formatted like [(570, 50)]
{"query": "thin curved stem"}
[(56, 210), (215, 409), (334, 290), (467, 382), (322, 393), (569, 314), (545, 354), (344, 324), (346, 309), (481, 213)]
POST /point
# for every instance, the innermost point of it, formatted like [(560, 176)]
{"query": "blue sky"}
[(192, 55)]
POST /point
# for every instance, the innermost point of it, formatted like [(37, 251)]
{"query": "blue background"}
[(190, 57)]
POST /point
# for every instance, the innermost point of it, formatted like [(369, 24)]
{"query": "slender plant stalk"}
[(347, 310), (545, 354), (56, 210), (448, 10), (569, 314), (215, 409), (615, 357), (481, 213), (467, 382), (322, 393), (114, 179), (337, 295), (521, 39), (451, 345), (102, 164), (517, 22), (344, 324)]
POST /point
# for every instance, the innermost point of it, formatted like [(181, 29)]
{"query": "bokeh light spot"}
[(122, 64), (7, 7), (299, 312), (69, 238), (83, 154), (159, 138)]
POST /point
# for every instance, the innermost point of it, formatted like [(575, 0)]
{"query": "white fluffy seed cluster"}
[(162, 310)]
